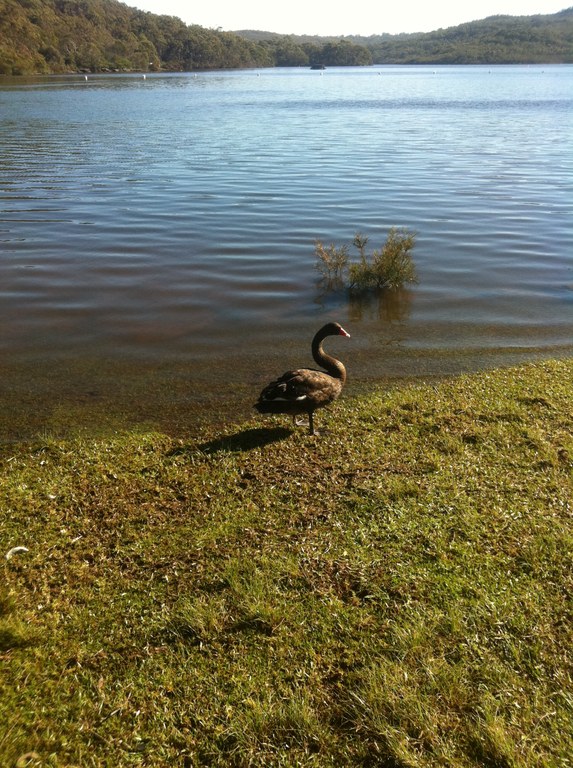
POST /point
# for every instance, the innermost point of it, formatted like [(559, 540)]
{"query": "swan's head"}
[(334, 329)]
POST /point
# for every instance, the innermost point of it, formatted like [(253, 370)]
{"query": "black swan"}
[(304, 390)]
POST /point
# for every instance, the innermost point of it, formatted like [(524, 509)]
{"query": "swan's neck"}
[(333, 366)]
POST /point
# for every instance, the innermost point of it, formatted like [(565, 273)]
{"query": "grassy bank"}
[(396, 592)]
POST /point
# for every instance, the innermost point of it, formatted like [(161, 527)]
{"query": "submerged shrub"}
[(390, 267), (331, 262)]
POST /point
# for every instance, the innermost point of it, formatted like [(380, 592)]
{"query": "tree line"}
[(541, 39), (56, 36)]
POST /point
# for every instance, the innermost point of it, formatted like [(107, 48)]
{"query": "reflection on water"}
[(157, 235), (388, 306)]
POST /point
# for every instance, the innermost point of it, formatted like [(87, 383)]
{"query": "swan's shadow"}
[(246, 440)]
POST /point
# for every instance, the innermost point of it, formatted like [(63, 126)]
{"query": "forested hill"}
[(53, 36), (539, 39), (495, 40), (96, 35)]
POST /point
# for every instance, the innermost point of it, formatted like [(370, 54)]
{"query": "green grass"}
[(394, 593)]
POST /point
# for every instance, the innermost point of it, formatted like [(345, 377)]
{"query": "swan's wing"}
[(290, 387), (301, 385)]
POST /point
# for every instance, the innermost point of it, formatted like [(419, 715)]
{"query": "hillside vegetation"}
[(395, 592), (50, 36), (53, 36), (495, 40)]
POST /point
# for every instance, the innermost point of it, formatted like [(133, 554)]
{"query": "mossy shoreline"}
[(395, 592)]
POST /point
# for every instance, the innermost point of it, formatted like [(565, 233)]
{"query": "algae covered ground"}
[(397, 592)]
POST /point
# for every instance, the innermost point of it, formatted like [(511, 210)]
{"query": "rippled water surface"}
[(157, 235)]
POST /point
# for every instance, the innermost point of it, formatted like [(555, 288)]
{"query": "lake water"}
[(157, 235)]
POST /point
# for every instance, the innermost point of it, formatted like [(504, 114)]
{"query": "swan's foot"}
[(319, 432), (306, 423)]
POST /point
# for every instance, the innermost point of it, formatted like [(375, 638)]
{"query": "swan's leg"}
[(311, 423)]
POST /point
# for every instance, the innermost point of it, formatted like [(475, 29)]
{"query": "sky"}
[(357, 17)]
